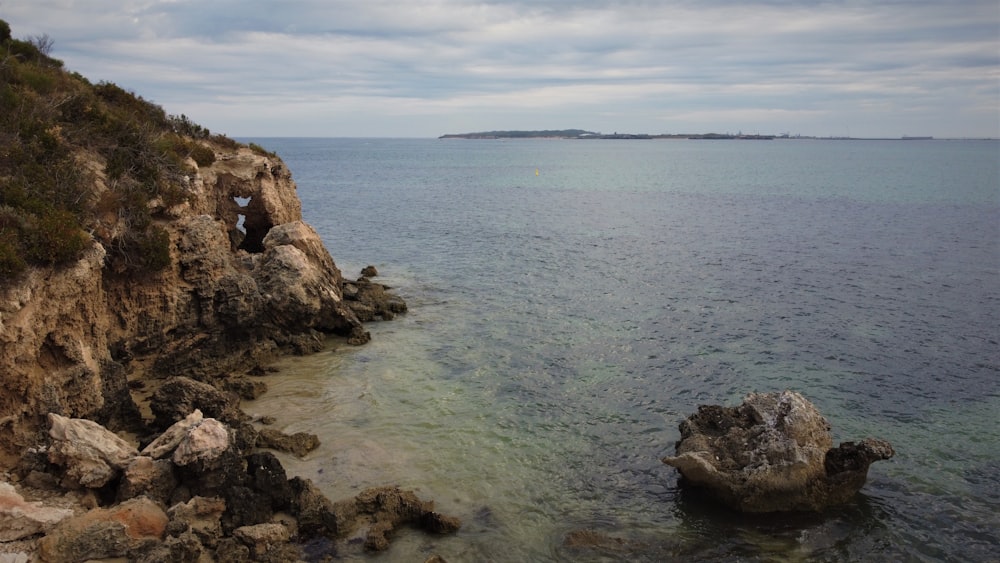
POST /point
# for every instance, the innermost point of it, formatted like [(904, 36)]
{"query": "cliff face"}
[(231, 298)]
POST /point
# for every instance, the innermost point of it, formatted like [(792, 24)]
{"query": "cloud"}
[(348, 67)]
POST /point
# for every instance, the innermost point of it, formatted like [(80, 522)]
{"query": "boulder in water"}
[(772, 453)]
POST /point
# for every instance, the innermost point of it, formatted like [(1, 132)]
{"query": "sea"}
[(572, 301)]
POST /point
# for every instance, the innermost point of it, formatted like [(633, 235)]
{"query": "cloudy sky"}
[(424, 68)]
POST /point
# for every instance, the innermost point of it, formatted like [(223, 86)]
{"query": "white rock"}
[(20, 519), (91, 454)]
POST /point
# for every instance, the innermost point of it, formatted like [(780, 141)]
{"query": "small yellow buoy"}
[(536, 172)]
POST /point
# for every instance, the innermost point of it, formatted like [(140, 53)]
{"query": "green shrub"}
[(54, 238), (261, 150), (202, 155), (49, 119), (153, 248), (11, 263)]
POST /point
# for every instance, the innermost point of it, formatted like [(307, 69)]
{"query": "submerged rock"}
[(772, 453), (300, 443)]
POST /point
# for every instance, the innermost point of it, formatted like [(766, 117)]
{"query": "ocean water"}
[(572, 301)]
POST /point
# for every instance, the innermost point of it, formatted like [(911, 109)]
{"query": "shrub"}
[(261, 150), (202, 155), (54, 238), (11, 263)]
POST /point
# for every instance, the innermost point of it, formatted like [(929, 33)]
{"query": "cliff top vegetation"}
[(83, 162)]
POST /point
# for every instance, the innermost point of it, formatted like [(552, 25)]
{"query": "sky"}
[(401, 68)]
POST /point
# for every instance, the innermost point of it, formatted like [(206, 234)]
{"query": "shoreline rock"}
[(195, 494), (772, 453)]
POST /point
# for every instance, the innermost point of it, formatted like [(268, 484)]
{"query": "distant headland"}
[(584, 134)]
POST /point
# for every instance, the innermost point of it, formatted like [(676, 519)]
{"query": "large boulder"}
[(774, 452), (105, 532), (90, 454)]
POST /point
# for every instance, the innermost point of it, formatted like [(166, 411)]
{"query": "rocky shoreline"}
[(201, 486), (101, 365)]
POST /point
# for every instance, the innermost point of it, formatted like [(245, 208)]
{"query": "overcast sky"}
[(337, 68)]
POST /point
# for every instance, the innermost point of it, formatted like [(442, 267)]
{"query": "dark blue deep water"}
[(572, 301)]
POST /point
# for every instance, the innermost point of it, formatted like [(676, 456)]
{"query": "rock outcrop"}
[(772, 453), (247, 280), (227, 502)]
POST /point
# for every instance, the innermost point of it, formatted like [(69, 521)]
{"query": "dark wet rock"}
[(314, 511), (378, 512), (245, 507), (299, 443), (369, 272), (232, 550), (774, 452), (180, 396), (370, 301), (144, 476), (247, 389), (266, 476)]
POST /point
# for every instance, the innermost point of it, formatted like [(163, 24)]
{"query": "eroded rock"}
[(90, 454), (105, 532), (20, 519), (379, 511), (771, 453)]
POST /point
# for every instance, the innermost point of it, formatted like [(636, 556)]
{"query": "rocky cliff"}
[(247, 279)]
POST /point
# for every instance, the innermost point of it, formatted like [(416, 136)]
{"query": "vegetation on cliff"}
[(82, 162)]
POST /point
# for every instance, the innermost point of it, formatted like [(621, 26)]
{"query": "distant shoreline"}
[(579, 134)]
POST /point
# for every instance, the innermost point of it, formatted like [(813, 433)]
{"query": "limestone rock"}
[(772, 453), (166, 443), (105, 532), (90, 454), (203, 443), (20, 519)]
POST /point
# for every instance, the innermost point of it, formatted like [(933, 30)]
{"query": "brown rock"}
[(772, 453), (144, 476), (105, 532), (178, 397), (383, 509), (299, 443)]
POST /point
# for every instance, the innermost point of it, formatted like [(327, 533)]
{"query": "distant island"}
[(583, 134)]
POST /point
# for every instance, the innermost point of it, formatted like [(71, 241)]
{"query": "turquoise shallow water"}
[(562, 324)]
